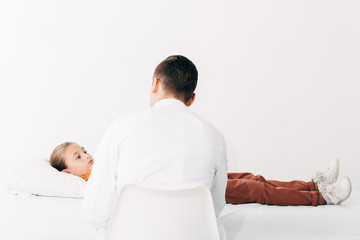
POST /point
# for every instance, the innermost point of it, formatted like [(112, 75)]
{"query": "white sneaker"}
[(329, 176), (337, 193)]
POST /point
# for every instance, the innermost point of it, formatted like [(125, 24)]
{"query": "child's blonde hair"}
[(57, 156)]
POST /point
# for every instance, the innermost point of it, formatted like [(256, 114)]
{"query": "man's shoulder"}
[(208, 125), (131, 117), (136, 119)]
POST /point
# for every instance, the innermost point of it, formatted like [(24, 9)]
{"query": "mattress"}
[(255, 221), (53, 218), (42, 218)]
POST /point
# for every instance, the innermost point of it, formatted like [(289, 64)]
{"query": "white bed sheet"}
[(256, 221), (52, 218), (42, 218)]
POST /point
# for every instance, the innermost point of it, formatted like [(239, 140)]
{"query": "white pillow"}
[(38, 177)]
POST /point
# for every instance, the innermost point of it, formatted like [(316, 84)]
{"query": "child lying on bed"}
[(241, 188)]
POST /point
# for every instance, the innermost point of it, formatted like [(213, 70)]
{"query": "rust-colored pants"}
[(248, 188)]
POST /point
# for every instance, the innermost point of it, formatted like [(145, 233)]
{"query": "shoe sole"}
[(348, 194), (337, 172)]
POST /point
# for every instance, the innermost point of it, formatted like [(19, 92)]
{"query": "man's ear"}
[(191, 100), (155, 85), (67, 171)]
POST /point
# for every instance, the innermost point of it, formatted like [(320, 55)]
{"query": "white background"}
[(280, 79)]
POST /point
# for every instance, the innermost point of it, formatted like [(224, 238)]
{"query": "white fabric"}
[(168, 144), (43, 218), (38, 177), (326, 222), (52, 218)]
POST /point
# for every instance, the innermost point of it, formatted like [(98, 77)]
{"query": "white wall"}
[(279, 78)]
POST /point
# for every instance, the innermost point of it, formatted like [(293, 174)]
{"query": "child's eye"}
[(85, 152), (78, 157)]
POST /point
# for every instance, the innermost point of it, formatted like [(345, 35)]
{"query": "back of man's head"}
[(178, 76)]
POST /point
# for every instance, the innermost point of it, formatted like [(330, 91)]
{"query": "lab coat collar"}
[(169, 102)]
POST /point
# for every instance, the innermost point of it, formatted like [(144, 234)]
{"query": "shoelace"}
[(334, 190), (319, 176), (322, 176)]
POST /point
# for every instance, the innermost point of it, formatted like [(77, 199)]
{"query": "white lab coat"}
[(167, 144)]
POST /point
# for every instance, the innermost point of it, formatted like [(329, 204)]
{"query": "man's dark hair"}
[(178, 76)]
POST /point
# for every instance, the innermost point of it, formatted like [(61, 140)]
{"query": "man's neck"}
[(168, 97)]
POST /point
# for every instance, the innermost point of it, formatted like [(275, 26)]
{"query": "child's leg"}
[(240, 191), (296, 185)]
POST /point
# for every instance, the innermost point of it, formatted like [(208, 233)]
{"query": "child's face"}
[(77, 160)]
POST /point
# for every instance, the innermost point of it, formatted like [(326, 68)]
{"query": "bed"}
[(256, 221), (40, 203), (42, 218), (56, 218)]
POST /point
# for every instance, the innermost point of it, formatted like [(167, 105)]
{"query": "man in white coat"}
[(167, 144)]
